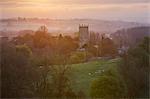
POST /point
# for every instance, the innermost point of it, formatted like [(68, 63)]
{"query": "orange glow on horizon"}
[(73, 9)]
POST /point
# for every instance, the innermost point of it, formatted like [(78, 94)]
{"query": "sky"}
[(124, 10)]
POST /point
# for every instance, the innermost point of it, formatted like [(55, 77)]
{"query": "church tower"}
[(83, 35)]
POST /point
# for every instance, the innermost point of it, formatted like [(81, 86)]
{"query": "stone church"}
[(83, 35)]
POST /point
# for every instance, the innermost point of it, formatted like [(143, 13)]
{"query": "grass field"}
[(83, 74)]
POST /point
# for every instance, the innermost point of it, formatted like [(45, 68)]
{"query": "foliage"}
[(54, 77), (17, 75), (38, 65), (24, 50), (60, 77), (81, 95), (106, 87), (65, 45), (131, 36), (135, 69), (108, 47), (70, 94), (25, 39), (77, 57), (41, 38), (102, 46)]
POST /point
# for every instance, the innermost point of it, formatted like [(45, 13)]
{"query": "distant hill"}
[(131, 36), (68, 26)]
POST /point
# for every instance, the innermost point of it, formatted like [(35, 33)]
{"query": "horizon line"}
[(72, 19)]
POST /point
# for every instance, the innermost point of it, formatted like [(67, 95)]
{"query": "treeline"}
[(131, 36), (44, 44), (135, 69), (133, 78), (38, 65)]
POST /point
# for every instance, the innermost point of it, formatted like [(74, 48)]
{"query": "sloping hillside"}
[(131, 36)]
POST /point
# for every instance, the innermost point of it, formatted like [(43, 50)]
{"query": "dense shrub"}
[(108, 47), (79, 57), (17, 75), (135, 70), (107, 87)]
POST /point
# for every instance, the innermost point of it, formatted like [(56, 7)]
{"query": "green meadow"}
[(84, 73)]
